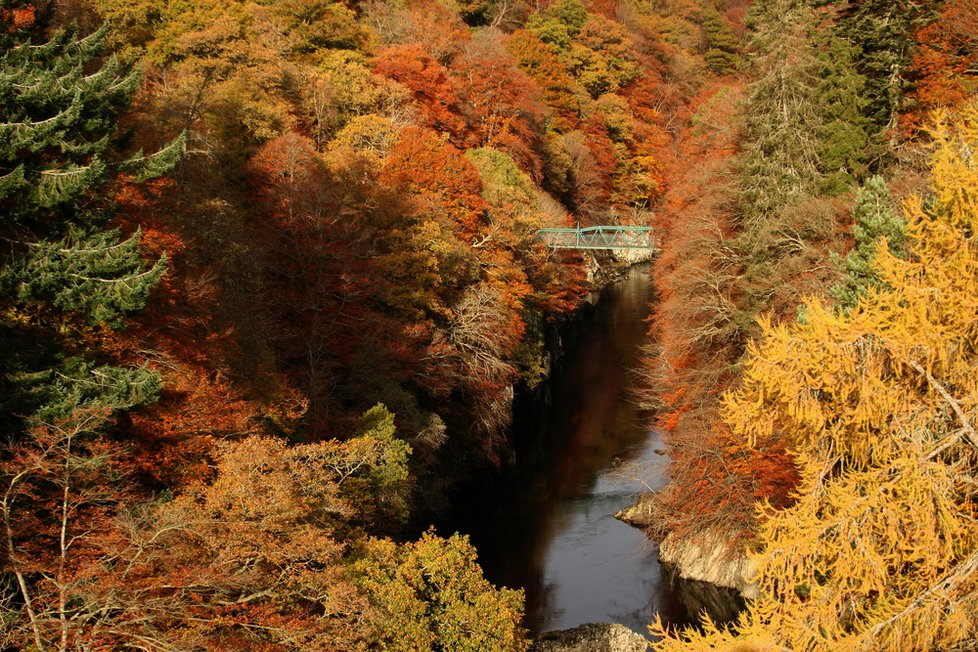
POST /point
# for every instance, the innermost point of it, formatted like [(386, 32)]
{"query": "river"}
[(545, 523)]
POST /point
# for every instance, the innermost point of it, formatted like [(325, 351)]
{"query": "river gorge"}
[(582, 451)]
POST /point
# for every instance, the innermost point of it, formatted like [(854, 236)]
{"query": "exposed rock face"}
[(709, 556), (639, 514), (593, 637), (605, 267), (634, 256), (707, 570)]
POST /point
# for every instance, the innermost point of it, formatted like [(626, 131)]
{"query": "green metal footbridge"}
[(598, 237)]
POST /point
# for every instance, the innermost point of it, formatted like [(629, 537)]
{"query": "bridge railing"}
[(598, 237)]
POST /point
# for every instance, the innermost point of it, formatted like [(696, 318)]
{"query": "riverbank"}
[(544, 521), (709, 571)]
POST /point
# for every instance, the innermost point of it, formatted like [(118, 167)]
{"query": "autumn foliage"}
[(823, 515), (877, 408), (351, 222), (196, 450)]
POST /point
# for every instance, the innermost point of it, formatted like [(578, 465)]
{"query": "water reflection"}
[(546, 524)]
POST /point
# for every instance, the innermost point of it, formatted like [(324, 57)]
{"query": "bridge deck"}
[(599, 237)]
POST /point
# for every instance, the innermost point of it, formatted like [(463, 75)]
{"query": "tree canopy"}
[(879, 549), (233, 231)]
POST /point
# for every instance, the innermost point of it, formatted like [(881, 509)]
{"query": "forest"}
[(269, 285)]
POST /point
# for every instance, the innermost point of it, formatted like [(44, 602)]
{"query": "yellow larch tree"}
[(879, 408)]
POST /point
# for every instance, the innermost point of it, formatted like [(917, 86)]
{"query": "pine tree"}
[(60, 268), (722, 44), (63, 277), (875, 220), (780, 157), (843, 140), (882, 33)]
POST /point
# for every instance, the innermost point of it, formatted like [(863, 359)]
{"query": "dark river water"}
[(545, 524)]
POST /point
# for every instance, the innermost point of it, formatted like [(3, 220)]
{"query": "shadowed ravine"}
[(546, 524)]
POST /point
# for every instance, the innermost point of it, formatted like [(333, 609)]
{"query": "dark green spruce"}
[(722, 45), (62, 271), (881, 32), (875, 218)]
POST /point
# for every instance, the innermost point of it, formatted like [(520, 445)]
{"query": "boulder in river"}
[(593, 637), (709, 556)]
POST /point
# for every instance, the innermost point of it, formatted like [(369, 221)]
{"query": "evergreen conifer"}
[(62, 271), (722, 44), (875, 220), (883, 31), (843, 140)]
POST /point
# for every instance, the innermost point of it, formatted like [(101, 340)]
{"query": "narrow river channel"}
[(545, 524)]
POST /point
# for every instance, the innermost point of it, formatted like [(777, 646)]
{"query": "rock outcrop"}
[(593, 637), (708, 571), (638, 515), (709, 556)]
